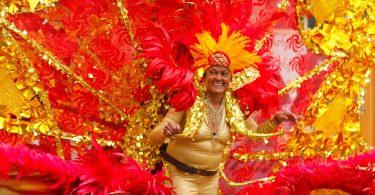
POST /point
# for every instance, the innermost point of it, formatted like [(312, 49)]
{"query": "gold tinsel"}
[(52, 60), (127, 23), (23, 6), (35, 115), (232, 183), (194, 116), (244, 77), (44, 122), (345, 33), (140, 124), (37, 111)]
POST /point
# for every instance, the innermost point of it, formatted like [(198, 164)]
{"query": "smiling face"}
[(217, 80)]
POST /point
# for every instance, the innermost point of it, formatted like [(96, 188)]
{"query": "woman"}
[(193, 163)]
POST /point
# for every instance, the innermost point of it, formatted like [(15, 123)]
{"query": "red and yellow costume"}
[(198, 146)]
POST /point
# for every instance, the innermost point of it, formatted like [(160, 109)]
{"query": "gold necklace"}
[(214, 117)]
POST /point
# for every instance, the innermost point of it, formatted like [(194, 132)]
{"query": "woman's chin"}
[(216, 91)]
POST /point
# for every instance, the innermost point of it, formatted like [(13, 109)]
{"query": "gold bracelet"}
[(275, 121)]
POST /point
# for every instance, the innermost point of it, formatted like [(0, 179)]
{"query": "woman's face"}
[(217, 79)]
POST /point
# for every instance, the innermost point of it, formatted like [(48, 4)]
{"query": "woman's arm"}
[(270, 124), (169, 126)]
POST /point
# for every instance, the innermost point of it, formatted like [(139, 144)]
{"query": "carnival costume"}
[(77, 76), (207, 132)]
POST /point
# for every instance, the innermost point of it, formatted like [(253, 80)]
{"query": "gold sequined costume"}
[(204, 151)]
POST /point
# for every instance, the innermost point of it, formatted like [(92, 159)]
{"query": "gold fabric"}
[(191, 184), (204, 151)]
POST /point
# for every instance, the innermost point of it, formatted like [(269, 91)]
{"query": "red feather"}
[(103, 172), (262, 94), (311, 174), (28, 162), (171, 69)]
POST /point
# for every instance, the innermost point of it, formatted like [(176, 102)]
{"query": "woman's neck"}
[(215, 100)]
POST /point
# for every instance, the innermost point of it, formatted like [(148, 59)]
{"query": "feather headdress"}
[(229, 50), (210, 33)]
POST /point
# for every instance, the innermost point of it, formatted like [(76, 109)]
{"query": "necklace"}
[(214, 120), (214, 117)]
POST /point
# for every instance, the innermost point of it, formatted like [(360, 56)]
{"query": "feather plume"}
[(104, 172), (27, 162), (262, 94), (171, 69), (233, 45), (354, 176)]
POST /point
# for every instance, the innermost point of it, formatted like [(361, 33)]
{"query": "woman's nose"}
[(219, 77)]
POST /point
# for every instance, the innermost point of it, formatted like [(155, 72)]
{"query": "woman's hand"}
[(171, 128), (284, 117)]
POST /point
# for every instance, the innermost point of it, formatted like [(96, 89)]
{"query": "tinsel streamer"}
[(297, 83), (349, 31), (87, 139), (57, 131), (232, 183), (279, 156), (227, 155), (266, 135), (127, 23)]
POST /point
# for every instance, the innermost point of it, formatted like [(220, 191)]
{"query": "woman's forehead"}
[(218, 68)]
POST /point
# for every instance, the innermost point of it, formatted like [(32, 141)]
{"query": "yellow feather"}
[(224, 36), (234, 46)]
